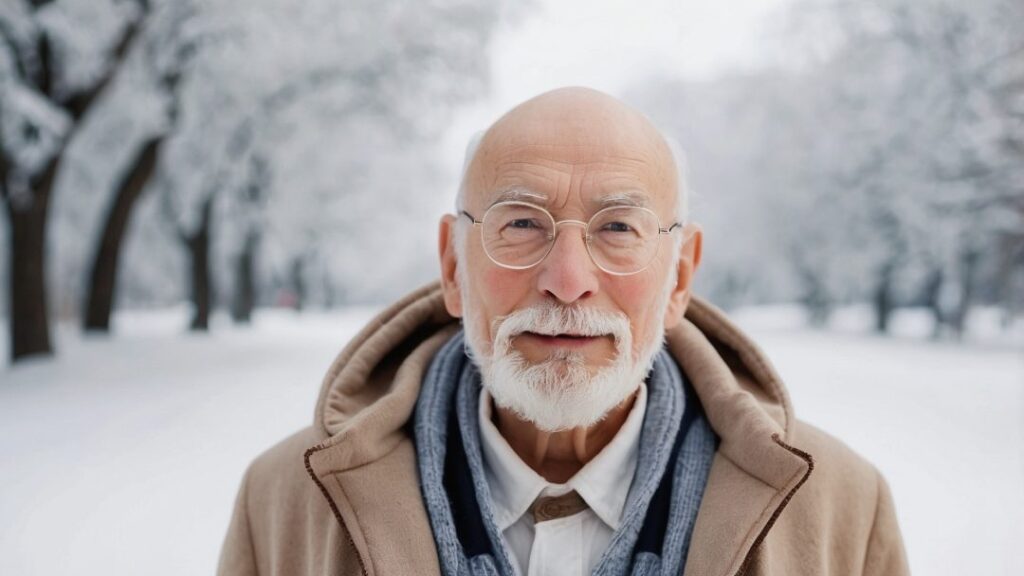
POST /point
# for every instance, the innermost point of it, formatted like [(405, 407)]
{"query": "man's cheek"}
[(636, 301), (500, 288), (634, 295)]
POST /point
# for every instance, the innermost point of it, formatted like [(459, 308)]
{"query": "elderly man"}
[(588, 416)]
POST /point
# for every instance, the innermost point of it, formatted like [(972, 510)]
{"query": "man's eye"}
[(523, 223), (617, 227)]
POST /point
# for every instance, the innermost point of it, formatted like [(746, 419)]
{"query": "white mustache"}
[(551, 319)]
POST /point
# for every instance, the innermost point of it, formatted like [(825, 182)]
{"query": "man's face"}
[(572, 169)]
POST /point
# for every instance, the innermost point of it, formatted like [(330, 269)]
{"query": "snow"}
[(123, 455)]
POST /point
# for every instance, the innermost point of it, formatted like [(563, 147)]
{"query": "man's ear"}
[(449, 261), (689, 259)]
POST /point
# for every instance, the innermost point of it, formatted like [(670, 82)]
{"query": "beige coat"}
[(341, 497)]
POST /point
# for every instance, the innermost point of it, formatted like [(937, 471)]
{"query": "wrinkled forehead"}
[(592, 159)]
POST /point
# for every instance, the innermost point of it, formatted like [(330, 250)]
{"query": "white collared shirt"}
[(567, 546)]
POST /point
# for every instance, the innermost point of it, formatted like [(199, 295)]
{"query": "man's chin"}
[(575, 371), (551, 413)]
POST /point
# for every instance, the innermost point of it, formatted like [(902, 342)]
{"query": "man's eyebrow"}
[(624, 198), (518, 194)]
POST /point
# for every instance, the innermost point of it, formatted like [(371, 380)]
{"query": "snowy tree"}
[(882, 165), (288, 136), (145, 96), (921, 90), (210, 103), (56, 58)]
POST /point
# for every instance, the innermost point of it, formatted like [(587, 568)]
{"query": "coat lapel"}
[(735, 514), (366, 467), (381, 508), (755, 471)]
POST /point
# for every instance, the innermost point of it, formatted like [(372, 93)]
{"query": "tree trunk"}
[(103, 277), (202, 288), (298, 282), (968, 270), (29, 322), (245, 282), (882, 298), (1009, 276), (932, 299), (814, 297)]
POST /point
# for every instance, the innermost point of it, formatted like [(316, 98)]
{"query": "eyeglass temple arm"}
[(470, 216)]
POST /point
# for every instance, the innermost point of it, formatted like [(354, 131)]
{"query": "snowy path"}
[(123, 456)]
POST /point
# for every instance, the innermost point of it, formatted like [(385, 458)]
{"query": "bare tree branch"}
[(44, 76)]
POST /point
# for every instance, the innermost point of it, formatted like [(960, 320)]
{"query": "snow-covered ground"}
[(122, 455)]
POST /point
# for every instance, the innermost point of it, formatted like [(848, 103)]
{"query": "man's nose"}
[(568, 273)]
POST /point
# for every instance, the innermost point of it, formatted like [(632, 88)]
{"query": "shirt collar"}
[(603, 482)]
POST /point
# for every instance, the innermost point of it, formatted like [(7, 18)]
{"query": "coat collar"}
[(370, 391)]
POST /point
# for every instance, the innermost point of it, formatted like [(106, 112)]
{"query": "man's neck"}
[(558, 456)]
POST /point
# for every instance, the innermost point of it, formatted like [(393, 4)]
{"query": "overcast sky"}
[(611, 44)]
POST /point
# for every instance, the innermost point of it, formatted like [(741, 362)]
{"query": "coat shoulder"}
[(836, 464), (843, 516), (278, 484), (843, 487), (288, 455), (282, 523)]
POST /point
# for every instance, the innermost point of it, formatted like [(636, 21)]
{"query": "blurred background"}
[(204, 199)]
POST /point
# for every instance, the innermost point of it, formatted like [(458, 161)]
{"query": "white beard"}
[(561, 392)]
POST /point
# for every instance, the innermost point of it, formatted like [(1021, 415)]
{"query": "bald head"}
[(569, 130)]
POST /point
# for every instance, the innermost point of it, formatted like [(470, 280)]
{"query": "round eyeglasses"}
[(621, 240)]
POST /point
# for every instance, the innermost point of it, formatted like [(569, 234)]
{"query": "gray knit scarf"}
[(676, 449)]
